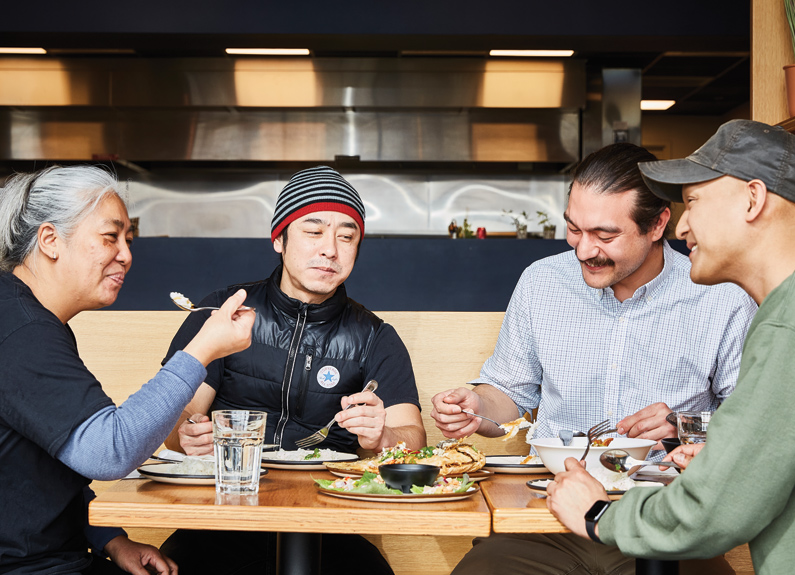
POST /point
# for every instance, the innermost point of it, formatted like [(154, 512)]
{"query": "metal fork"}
[(184, 303), (322, 433), (600, 428)]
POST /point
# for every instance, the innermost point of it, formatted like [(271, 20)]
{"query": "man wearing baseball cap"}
[(739, 222), (313, 350)]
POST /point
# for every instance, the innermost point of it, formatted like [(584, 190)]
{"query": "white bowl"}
[(553, 453)]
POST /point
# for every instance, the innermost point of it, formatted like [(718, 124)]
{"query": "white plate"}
[(475, 476), (165, 473), (540, 486), (402, 498), (304, 464), (512, 464)]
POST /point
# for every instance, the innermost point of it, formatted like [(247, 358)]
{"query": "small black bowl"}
[(403, 475), (670, 443)]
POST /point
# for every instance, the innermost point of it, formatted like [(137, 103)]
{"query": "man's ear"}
[(278, 244), (48, 240), (756, 196), (659, 226)]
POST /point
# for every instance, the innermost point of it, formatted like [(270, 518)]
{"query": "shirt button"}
[(621, 319), (614, 366), (610, 413)]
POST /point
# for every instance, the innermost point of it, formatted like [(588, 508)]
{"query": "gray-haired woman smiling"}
[(64, 248)]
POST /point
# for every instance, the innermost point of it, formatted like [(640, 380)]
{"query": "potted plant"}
[(520, 222), (549, 229), (789, 70)]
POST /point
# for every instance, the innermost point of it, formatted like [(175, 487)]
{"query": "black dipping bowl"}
[(670, 443), (403, 475)]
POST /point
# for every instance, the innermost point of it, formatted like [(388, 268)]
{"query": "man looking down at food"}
[(313, 350), (593, 334), (739, 221)]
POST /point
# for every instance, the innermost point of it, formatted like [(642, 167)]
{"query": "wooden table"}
[(289, 504), (517, 509)]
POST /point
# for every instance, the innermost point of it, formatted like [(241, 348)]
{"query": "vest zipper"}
[(289, 369), (299, 410)]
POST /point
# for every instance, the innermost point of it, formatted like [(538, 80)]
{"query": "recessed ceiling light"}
[(533, 53), (23, 51), (269, 51), (656, 104)]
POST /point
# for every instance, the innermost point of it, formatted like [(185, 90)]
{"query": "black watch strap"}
[(592, 517)]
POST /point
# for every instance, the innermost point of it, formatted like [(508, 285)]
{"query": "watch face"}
[(596, 510)]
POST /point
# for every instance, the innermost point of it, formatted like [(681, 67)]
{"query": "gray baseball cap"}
[(744, 149)]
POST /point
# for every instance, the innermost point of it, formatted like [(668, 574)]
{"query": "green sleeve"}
[(740, 485)]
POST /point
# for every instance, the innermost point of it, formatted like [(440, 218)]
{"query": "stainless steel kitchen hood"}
[(283, 110)]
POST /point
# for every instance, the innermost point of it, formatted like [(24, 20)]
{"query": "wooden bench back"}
[(123, 349)]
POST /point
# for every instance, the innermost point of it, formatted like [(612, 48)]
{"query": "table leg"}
[(298, 553), (656, 567)]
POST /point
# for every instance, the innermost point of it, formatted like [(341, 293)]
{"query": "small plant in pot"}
[(548, 228), (520, 222)]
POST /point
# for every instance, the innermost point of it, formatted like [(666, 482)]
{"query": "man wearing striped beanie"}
[(313, 350)]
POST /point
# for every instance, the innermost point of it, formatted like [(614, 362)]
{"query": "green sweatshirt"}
[(740, 487)]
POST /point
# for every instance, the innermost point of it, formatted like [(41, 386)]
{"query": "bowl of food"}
[(553, 453), (403, 475), (670, 443)]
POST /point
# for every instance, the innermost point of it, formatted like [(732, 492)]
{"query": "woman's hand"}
[(196, 438), (226, 331), (138, 558)]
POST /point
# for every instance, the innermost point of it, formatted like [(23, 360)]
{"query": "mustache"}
[(325, 264), (598, 262)]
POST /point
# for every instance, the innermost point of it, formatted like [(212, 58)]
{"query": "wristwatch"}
[(592, 517)]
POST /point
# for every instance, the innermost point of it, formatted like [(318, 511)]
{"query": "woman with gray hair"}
[(64, 248)]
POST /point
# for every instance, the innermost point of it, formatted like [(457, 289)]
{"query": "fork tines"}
[(599, 429), (311, 440)]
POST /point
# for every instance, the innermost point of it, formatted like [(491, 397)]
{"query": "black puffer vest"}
[(303, 359)]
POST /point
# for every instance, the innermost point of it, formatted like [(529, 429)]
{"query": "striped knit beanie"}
[(318, 189)]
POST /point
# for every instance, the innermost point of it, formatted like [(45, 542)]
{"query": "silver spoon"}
[(184, 303), (620, 461)]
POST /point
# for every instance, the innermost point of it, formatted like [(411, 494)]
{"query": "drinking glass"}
[(237, 442), (692, 426)]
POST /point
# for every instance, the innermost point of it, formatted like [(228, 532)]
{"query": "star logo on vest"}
[(328, 376)]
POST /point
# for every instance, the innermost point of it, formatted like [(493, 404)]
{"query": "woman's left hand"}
[(138, 558)]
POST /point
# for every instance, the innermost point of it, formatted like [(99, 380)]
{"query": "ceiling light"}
[(533, 53), (23, 51), (656, 104), (269, 51)]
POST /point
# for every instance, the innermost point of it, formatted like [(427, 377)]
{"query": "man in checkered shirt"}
[(597, 333)]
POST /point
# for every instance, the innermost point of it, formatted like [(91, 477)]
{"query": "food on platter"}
[(453, 459), (532, 458), (193, 465), (511, 428), (305, 455), (374, 483)]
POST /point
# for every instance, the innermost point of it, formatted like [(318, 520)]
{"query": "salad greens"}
[(314, 455), (465, 485), (366, 484)]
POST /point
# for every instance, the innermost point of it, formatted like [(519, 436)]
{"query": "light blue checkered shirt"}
[(581, 356)]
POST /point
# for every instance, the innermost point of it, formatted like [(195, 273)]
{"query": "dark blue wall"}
[(392, 274)]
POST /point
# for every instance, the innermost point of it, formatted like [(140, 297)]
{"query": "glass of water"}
[(237, 441), (692, 426)]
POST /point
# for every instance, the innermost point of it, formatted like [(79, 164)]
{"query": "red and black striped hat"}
[(319, 189)]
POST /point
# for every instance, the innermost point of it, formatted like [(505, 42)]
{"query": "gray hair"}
[(62, 196)]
